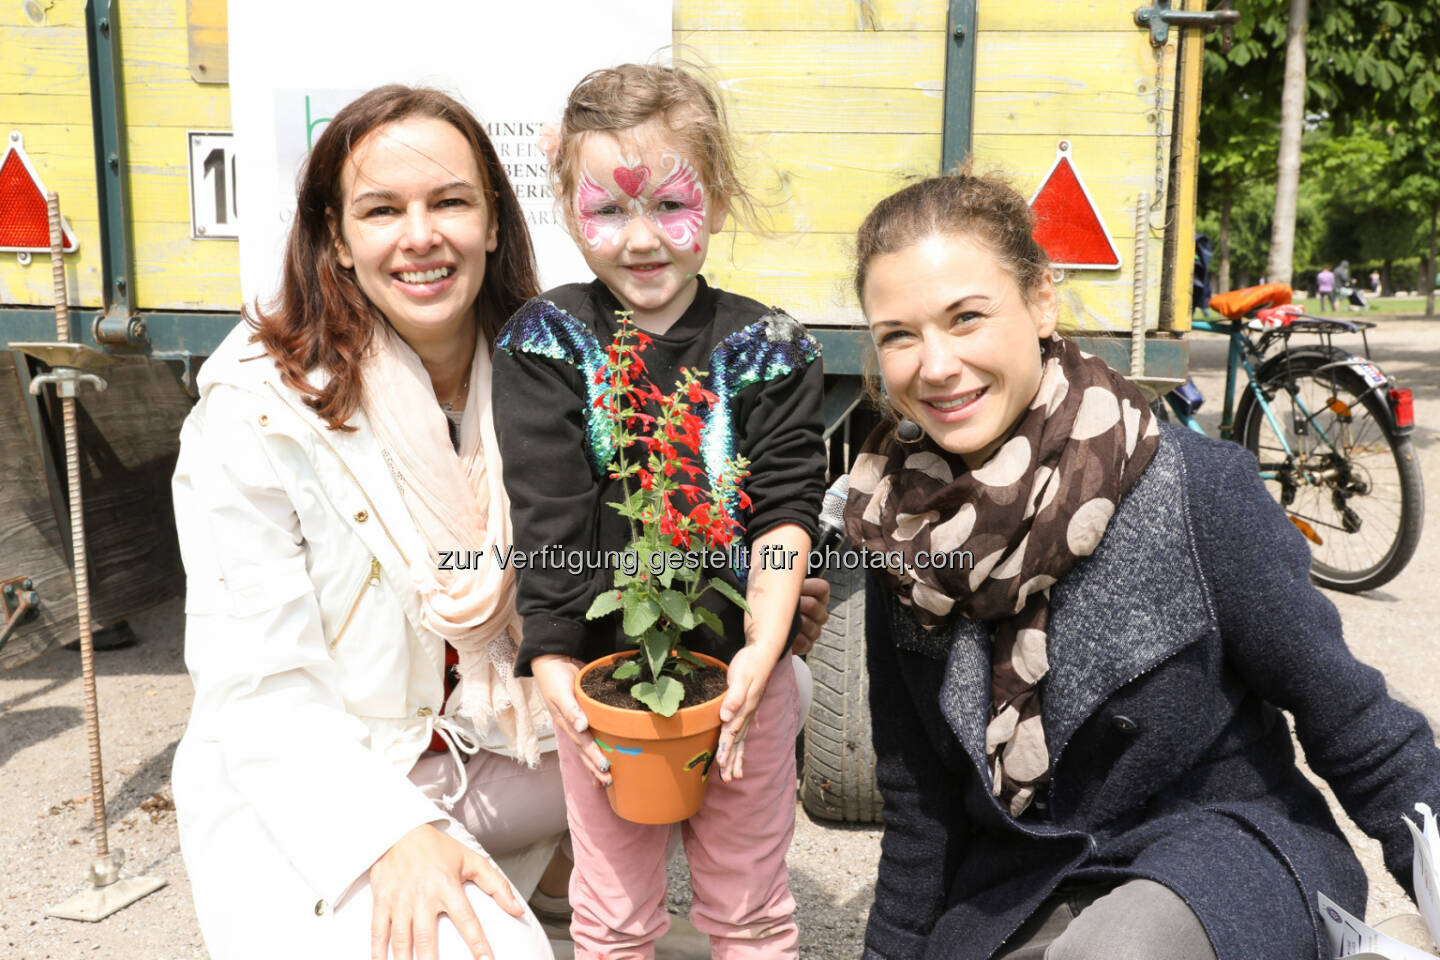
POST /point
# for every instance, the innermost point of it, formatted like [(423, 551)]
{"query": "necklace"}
[(459, 399)]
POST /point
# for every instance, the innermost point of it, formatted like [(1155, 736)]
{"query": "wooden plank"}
[(1069, 114), (33, 284), (887, 82), (1057, 61), (810, 15), (129, 439), (1087, 16), (172, 271), (828, 182), (134, 13), (158, 87)]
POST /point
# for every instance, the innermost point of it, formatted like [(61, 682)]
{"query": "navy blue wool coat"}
[(1173, 649)]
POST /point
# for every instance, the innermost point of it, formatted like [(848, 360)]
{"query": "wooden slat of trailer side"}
[(827, 82), (1050, 61), (182, 273), (1076, 16), (158, 88), (827, 182), (134, 13), (793, 15)]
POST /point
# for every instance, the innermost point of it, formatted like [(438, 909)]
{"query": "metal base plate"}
[(97, 903)]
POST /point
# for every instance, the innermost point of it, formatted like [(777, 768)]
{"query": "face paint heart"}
[(631, 179)]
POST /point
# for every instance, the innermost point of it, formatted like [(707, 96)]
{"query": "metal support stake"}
[(107, 892)]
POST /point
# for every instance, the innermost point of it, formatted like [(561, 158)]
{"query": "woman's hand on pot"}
[(422, 876), (749, 672), (814, 611), (555, 675)]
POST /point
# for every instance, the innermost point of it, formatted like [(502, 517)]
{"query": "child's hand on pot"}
[(555, 675), (748, 674)]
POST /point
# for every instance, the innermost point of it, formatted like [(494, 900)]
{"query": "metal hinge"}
[(1160, 18)]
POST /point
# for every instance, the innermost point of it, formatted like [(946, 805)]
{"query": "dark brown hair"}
[(961, 204), (619, 98), (321, 318)]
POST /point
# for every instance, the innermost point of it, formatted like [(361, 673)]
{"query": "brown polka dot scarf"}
[(989, 543)]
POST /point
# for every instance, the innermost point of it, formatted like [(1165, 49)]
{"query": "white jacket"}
[(316, 687)]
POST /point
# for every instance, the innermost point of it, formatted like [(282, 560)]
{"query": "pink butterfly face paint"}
[(679, 204), (598, 214), (642, 220)]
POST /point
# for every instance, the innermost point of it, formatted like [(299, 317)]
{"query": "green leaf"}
[(677, 607), (640, 614), (607, 602), (710, 619), (663, 697), (684, 669), (657, 651), (687, 574), (729, 593), (626, 670)]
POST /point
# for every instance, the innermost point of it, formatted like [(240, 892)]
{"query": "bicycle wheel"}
[(1350, 482)]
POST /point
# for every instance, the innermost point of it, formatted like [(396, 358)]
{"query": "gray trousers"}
[(1137, 920)]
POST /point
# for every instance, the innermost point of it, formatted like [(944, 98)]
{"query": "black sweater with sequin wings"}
[(764, 368)]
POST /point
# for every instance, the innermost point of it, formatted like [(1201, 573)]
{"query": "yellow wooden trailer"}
[(839, 101)]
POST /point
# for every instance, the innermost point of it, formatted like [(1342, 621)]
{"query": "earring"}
[(908, 431)]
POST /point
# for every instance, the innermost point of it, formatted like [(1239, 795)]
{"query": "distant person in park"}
[(1077, 713), (1375, 282), (1325, 286), (361, 759)]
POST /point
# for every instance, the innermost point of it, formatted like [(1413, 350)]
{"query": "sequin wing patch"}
[(544, 329), (768, 349)]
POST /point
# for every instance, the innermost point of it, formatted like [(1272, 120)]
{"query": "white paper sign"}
[(292, 65), (1351, 938), (214, 205)]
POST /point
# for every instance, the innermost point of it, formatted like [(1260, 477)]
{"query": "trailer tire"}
[(837, 779)]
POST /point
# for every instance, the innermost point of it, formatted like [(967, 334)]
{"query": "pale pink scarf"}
[(457, 502)]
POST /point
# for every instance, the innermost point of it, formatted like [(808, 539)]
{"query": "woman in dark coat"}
[(1077, 670)]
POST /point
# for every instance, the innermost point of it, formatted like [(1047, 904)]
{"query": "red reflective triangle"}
[(1067, 224), (24, 223)]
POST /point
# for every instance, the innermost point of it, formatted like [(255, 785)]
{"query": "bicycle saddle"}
[(1238, 303)]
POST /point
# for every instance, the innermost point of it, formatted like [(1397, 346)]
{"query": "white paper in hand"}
[(1350, 938), (1427, 859)]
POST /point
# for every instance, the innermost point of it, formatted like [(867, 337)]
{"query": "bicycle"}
[(1330, 430)]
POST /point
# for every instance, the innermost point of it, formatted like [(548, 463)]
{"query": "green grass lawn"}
[(1382, 305)]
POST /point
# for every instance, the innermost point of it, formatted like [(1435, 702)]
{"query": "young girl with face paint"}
[(645, 173)]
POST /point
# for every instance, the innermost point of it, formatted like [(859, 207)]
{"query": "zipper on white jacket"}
[(319, 433), (373, 580)]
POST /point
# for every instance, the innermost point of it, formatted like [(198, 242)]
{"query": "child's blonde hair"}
[(623, 97)]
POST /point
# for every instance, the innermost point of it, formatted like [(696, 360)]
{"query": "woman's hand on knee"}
[(555, 676), (422, 876)]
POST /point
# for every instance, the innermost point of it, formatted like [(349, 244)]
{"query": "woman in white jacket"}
[(334, 797), (318, 480)]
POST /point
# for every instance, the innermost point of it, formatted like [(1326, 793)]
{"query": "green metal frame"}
[(959, 84), (102, 33)]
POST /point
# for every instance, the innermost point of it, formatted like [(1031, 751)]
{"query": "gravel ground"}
[(46, 839)]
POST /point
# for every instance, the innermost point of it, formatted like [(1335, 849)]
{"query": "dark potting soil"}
[(703, 683)]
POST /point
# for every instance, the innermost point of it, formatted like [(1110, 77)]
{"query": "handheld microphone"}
[(832, 513)]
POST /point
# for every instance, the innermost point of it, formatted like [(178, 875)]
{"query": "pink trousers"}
[(736, 846)]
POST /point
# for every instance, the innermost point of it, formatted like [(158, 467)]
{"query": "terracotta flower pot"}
[(658, 765)]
